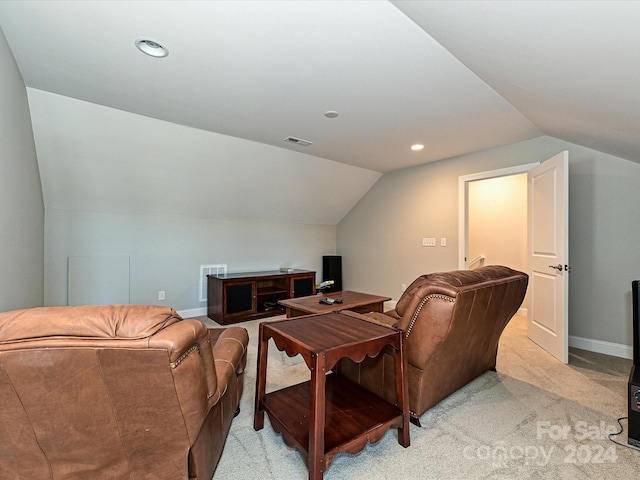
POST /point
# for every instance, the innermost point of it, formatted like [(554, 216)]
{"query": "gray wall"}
[(21, 205), (171, 198), (166, 251), (380, 238)]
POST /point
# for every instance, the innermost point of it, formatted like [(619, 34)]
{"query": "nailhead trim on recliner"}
[(184, 355), (424, 300)]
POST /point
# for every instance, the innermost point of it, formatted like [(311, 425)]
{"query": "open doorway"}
[(493, 220), (497, 219), (474, 184), (547, 246)]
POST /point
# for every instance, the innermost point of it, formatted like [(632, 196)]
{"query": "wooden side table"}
[(330, 414)]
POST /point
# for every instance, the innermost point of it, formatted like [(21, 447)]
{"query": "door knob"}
[(557, 267)]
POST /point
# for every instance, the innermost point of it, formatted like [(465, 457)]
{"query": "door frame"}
[(463, 203)]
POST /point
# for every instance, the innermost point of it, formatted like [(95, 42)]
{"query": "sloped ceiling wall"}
[(264, 70), (95, 158), (21, 206), (457, 77)]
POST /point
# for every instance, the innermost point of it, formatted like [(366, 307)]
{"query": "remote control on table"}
[(330, 301)]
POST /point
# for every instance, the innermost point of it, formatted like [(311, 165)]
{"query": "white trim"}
[(600, 346), (193, 312), (463, 188)]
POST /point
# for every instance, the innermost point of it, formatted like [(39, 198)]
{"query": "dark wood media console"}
[(239, 297)]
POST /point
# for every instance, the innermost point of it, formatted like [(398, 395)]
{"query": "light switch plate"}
[(428, 242)]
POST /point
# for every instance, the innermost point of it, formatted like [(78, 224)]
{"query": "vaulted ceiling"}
[(456, 77)]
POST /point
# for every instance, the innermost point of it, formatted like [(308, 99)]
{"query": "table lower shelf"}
[(353, 416)]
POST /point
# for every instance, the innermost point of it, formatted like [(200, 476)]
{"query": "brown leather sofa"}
[(115, 392), (452, 323)]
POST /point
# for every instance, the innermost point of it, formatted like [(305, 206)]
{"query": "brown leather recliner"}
[(115, 391), (452, 323)]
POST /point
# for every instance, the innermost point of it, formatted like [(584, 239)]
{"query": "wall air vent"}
[(298, 141), (211, 269)]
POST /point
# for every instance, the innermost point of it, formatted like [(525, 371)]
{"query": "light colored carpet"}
[(534, 418)]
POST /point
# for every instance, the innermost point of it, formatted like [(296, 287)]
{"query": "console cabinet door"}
[(239, 298), (303, 286)]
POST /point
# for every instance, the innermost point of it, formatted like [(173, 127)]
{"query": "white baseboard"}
[(193, 312), (600, 346), (597, 346)]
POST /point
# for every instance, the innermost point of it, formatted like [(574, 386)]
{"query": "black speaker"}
[(332, 270), (634, 376), (634, 407)]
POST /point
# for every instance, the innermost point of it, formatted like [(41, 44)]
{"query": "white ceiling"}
[(265, 70), (456, 76), (570, 67)]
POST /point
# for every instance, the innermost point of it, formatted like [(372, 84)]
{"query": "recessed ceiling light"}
[(417, 147), (331, 114), (151, 47)]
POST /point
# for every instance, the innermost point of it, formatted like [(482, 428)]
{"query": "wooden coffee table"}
[(330, 414), (354, 301)]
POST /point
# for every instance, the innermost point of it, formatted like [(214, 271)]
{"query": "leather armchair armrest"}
[(389, 318), (229, 347)]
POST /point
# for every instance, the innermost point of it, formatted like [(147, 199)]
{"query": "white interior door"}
[(548, 255)]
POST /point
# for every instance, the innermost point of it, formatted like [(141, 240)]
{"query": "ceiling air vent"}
[(298, 141)]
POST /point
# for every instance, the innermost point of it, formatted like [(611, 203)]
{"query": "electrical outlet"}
[(161, 295), (403, 287), (443, 242), (428, 242)]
